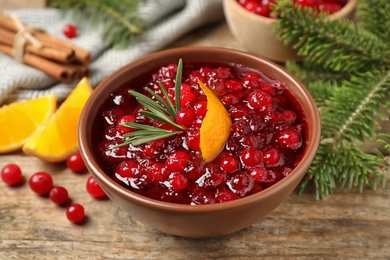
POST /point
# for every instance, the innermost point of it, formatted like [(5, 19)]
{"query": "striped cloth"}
[(169, 20)]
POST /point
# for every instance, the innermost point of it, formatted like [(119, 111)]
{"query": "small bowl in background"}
[(256, 33), (200, 220)]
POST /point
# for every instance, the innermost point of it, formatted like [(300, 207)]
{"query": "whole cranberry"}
[(41, 183), (70, 31), (11, 174)]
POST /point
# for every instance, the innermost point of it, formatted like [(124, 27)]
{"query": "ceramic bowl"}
[(256, 33), (200, 220)]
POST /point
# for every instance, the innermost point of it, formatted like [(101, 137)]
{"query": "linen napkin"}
[(168, 20)]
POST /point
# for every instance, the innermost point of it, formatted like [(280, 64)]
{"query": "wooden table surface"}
[(345, 225)]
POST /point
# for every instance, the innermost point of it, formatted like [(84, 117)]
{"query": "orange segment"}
[(215, 129), (57, 139), (21, 119)]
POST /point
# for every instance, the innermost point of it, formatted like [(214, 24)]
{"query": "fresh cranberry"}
[(59, 195), (11, 174), (130, 173), (75, 162), (75, 213), (177, 161), (123, 120), (272, 177), (185, 117), (272, 158), (251, 80), (230, 99), (329, 7), (260, 100), (307, 3), (289, 116), (178, 182), (159, 172), (201, 196), (166, 72), (226, 195), (70, 31), (200, 108), (111, 116), (240, 183), (229, 164), (251, 157), (94, 189), (290, 139), (41, 183), (258, 174), (193, 140)]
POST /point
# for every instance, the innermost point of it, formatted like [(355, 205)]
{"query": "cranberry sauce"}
[(267, 137)]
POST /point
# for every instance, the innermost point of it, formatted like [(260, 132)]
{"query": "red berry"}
[(41, 183), (329, 8), (70, 31), (124, 129), (75, 213), (59, 195), (260, 100), (185, 117), (258, 174), (226, 195), (251, 157), (290, 139), (307, 3), (76, 163), (272, 158), (200, 108), (11, 174), (240, 183), (94, 189), (178, 182), (228, 164), (177, 161), (230, 99)]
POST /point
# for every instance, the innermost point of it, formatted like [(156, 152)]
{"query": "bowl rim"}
[(347, 8), (95, 170)]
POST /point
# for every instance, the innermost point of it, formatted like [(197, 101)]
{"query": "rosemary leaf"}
[(178, 83), (170, 109)]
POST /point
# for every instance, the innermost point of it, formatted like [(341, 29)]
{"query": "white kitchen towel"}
[(168, 20)]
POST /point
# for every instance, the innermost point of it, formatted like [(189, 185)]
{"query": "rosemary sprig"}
[(161, 109)]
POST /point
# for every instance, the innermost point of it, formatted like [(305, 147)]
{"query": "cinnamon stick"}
[(58, 71), (81, 55), (61, 55)]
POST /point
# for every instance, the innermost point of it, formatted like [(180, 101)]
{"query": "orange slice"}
[(215, 129), (57, 138), (20, 120)]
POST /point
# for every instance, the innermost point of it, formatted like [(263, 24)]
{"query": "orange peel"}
[(216, 126)]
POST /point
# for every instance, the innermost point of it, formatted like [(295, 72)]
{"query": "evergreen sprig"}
[(119, 18), (347, 71)]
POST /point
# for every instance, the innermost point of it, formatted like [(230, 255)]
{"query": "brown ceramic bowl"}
[(201, 220), (256, 33)]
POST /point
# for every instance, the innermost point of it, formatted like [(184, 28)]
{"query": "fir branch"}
[(119, 18), (340, 46), (375, 20), (351, 110), (347, 70)]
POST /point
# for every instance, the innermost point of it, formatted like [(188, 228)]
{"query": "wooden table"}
[(346, 225)]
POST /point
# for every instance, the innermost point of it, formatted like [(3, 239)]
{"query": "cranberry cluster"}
[(262, 7), (42, 184), (266, 142)]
